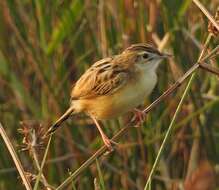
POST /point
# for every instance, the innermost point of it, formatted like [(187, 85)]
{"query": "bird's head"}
[(144, 55)]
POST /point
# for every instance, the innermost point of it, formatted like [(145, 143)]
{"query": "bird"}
[(114, 86)]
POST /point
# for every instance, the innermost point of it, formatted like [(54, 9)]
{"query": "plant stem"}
[(42, 164), (15, 158)]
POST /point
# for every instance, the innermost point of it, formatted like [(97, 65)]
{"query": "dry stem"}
[(15, 158)]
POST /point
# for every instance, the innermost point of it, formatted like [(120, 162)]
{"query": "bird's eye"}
[(145, 55)]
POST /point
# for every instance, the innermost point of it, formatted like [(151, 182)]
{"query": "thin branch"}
[(209, 68), (42, 164), (44, 181), (210, 55), (206, 13), (171, 88), (15, 158)]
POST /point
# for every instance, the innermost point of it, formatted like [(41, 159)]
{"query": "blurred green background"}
[(46, 45)]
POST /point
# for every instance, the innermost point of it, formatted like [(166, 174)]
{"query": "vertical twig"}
[(35, 158), (207, 14), (42, 164), (15, 158)]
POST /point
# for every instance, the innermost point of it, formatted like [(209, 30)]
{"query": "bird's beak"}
[(166, 55)]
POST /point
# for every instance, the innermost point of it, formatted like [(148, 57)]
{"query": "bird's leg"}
[(139, 116), (106, 140)]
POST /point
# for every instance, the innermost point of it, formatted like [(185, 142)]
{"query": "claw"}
[(139, 116), (107, 142)]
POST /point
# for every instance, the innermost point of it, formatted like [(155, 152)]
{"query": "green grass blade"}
[(67, 22), (102, 184)]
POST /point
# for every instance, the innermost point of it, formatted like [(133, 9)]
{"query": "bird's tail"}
[(58, 123)]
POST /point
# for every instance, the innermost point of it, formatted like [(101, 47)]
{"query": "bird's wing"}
[(102, 78)]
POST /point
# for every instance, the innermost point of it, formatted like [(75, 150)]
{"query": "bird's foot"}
[(139, 117), (109, 143)]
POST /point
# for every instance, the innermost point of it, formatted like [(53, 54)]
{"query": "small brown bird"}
[(114, 85)]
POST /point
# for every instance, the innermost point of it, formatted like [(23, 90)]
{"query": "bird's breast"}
[(137, 90)]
